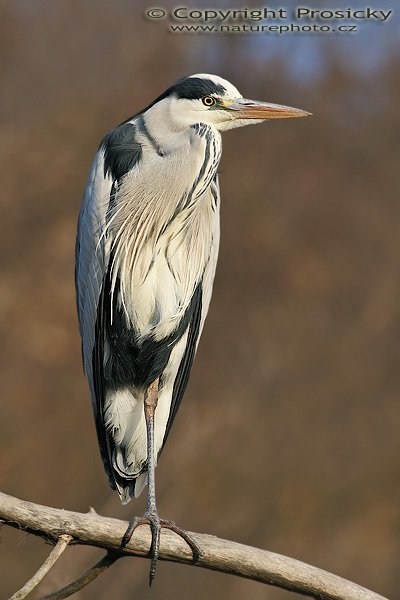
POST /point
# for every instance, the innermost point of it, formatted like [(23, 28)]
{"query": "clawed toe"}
[(135, 522), (195, 548), (156, 524)]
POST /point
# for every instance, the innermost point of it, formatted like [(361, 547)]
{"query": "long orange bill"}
[(252, 109)]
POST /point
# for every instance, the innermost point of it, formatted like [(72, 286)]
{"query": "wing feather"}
[(91, 260), (118, 153)]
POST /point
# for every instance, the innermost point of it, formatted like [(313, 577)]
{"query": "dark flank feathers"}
[(185, 367), (134, 364), (131, 363), (98, 383)]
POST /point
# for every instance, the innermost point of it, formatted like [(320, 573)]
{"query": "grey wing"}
[(118, 153), (201, 305), (90, 271), (91, 259)]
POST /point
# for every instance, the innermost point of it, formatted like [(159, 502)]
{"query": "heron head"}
[(210, 99)]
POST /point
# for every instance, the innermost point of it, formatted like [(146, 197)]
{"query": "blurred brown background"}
[(288, 436)]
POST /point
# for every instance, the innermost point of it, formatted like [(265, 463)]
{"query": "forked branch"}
[(219, 555)]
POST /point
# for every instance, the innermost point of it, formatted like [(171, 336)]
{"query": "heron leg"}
[(151, 515)]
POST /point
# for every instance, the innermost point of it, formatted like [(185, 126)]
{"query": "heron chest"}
[(165, 231)]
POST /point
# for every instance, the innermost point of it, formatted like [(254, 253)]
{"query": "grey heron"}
[(146, 253)]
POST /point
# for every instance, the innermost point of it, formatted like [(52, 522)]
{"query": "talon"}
[(135, 522), (155, 526)]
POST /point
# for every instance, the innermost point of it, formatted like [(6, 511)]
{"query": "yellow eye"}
[(208, 101)]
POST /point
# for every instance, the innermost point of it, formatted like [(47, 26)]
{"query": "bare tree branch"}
[(219, 555), (97, 569), (34, 581)]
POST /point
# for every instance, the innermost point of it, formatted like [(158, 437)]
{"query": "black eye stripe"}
[(191, 88), (194, 88)]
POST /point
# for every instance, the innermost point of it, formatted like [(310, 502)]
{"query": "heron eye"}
[(208, 101)]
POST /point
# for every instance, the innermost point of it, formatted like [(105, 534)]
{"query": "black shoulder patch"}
[(121, 151)]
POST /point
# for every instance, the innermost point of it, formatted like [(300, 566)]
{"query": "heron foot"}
[(156, 524)]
